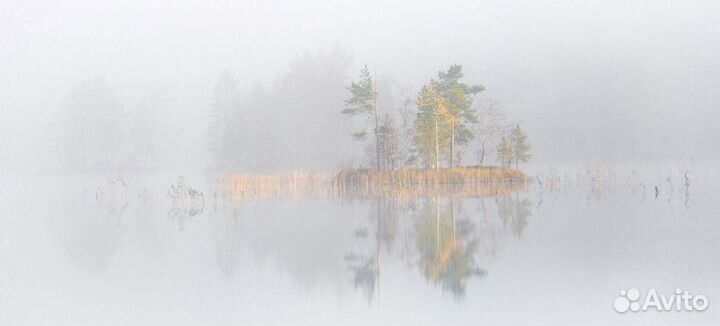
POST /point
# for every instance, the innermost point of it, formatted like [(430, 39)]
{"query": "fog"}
[(370, 162), (590, 81)]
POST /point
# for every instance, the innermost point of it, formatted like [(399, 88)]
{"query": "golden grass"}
[(293, 185), (402, 183)]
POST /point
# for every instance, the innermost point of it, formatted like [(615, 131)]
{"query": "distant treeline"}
[(296, 124), (300, 121), (96, 133)]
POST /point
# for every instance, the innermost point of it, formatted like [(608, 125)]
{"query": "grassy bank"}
[(363, 183), (465, 181), (294, 185)]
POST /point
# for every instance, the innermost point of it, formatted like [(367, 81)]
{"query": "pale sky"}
[(569, 70)]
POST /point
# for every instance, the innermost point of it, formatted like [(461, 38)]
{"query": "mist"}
[(370, 162), (590, 82)]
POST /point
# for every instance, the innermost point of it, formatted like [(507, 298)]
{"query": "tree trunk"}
[(484, 153), (452, 144), (437, 147), (377, 137), (516, 163)]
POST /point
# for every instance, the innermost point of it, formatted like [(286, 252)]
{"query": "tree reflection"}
[(514, 213), (365, 265), (228, 238), (92, 223), (187, 202), (437, 236), (433, 237), (366, 272), (446, 246)]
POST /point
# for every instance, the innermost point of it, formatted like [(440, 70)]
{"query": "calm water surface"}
[(84, 250)]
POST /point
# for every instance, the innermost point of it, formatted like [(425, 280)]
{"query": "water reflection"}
[(365, 264), (113, 196), (514, 212), (448, 239), (90, 228), (228, 234), (600, 183), (187, 202), (371, 254), (444, 239), (447, 246)]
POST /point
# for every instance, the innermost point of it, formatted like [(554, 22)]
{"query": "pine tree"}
[(389, 144), (226, 101), (432, 132), (458, 98), (92, 127), (504, 154), (147, 118), (520, 146), (363, 101)]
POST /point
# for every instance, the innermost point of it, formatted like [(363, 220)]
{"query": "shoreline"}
[(461, 181)]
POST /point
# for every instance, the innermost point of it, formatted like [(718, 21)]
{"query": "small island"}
[(445, 119), (420, 156)]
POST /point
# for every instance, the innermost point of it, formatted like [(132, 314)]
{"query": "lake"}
[(98, 249)]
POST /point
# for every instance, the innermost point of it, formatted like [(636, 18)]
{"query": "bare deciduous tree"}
[(492, 124)]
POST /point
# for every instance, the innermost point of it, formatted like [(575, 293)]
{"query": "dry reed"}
[(402, 183)]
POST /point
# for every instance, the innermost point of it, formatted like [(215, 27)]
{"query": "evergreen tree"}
[(431, 129), (389, 144), (147, 120), (406, 132), (504, 154), (225, 103), (92, 127), (363, 101), (458, 98), (520, 146)]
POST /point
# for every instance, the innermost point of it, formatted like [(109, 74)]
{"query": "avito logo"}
[(680, 300)]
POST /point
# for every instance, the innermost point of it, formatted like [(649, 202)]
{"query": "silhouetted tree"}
[(390, 151), (363, 101), (92, 127), (504, 154), (145, 129), (226, 103), (520, 146)]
